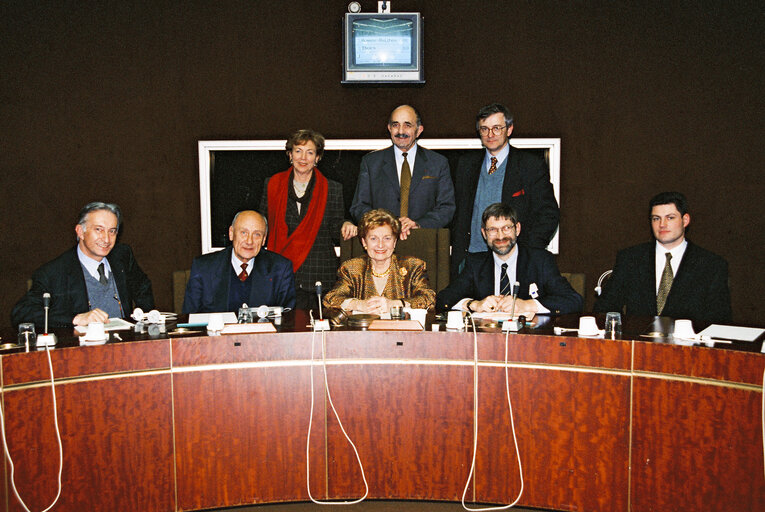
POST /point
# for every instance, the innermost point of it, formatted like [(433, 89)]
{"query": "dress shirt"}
[(661, 260), (410, 156), (91, 265), (237, 264), (501, 157)]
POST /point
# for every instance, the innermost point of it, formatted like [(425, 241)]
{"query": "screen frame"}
[(383, 75), (207, 147)]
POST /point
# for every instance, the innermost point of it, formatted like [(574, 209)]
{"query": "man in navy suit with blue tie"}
[(485, 284), (412, 182), (243, 273)]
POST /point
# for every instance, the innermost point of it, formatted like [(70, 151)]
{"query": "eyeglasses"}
[(496, 130), (506, 230)]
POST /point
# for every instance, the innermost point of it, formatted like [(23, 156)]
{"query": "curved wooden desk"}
[(202, 422)]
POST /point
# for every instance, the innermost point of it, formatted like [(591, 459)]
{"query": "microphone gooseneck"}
[(318, 296)]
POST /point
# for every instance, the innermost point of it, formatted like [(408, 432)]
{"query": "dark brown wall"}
[(107, 100)]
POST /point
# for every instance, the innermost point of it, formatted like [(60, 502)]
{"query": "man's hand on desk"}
[(95, 315), (521, 306)]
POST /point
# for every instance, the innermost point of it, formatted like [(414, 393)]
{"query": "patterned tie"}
[(664, 285), (102, 274), (243, 275), (504, 281), (406, 180), (493, 167)]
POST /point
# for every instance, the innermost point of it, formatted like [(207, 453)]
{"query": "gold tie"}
[(406, 180), (493, 167), (664, 285)]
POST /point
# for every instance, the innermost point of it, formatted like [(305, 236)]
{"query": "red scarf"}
[(296, 246)]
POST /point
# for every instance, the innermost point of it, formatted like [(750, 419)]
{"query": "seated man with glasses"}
[(501, 173), (485, 284)]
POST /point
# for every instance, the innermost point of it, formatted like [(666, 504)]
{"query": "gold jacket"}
[(407, 281)]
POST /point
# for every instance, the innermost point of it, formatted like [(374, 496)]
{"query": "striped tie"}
[(504, 281)]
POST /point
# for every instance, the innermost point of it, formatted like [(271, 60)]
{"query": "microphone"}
[(318, 296), (45, 340), (509, 324), (320, 324)]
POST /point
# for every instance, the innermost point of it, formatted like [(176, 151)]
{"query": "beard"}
[(505, 249)]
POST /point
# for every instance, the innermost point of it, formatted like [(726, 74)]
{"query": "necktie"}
[(493, 166), (102, 274), (664, 285), (406, 180), (504, 281), (243, 275)]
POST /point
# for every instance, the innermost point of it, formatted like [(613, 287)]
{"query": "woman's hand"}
[(349, 230), (374, 305)]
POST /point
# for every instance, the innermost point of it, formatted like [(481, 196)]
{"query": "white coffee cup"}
[(588, 326), (683, 329), (215, 322), (454, 320), (96, 332), (417, 314)]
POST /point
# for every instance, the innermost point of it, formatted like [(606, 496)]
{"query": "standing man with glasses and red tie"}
[(501, 173), (485, 284), (412, 182), (244, 273)]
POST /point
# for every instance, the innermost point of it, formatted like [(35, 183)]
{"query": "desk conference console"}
[(197, 422)]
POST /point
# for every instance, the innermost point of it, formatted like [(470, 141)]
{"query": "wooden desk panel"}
[(117, 443), (696, 447), (238, 409)]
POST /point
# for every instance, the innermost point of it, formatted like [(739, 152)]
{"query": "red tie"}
[(243, 275)]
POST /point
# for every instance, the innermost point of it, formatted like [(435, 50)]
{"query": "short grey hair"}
[(98, 205), (265, 219)]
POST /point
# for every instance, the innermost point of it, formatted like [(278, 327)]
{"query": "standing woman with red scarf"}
[(306, 217)]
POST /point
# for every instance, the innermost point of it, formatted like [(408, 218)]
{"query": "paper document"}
[(732, 332), (204, 318), (114, 324)]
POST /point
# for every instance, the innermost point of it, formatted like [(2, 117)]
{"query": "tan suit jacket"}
[(407, 281)]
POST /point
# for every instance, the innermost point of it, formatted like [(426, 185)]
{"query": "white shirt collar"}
[(91, 265), (501, 157), (661, 260), (237, 264), (512, 264)]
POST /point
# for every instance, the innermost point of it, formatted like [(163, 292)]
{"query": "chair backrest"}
[(577, 282), (430, 245), (180, 278)]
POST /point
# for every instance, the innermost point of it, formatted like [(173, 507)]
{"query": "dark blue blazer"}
[(273, 282), (64, 280), (431, 193), (699, 290), (534, 266)]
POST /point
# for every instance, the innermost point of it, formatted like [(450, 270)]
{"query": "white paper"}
[(114, 324), (732, 332), (204, 318)]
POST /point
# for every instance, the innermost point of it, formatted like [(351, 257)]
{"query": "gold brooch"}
[(402, 271)]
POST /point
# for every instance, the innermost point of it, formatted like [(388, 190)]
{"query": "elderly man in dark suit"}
[(96, 280), (501, 173), (485, 284), (412, 182), (670, 276), (242, 274)]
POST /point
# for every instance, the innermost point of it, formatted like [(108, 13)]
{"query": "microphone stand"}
[(510, 324), (46, 339), (321, 324)]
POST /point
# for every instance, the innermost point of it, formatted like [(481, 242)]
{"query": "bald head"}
[(247, 234)]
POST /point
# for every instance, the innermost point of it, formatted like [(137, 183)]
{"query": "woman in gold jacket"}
[(379, 280)]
